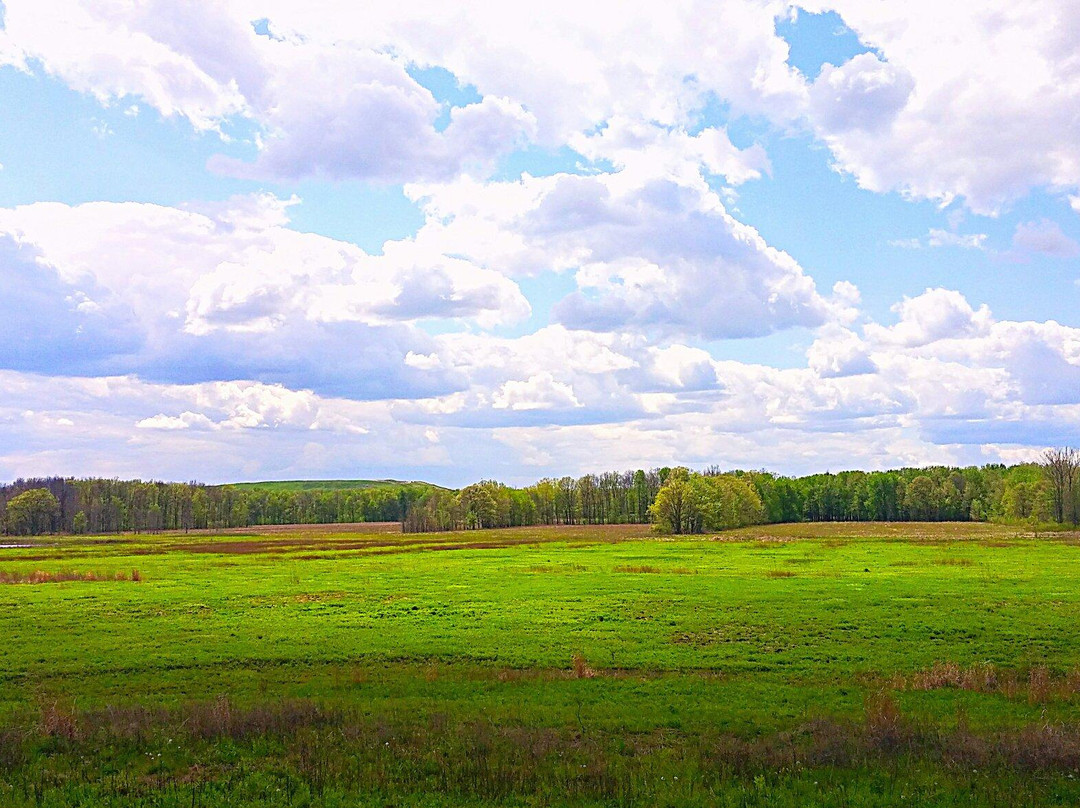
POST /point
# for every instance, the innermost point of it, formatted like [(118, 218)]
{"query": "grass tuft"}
[(636, 569)]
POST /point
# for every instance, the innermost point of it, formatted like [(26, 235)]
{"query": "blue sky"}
[(259, 241)]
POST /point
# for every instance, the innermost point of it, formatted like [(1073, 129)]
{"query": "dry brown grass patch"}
[(581, 667), (881, 711), (982, 677), (1039, 685), (780, 574)]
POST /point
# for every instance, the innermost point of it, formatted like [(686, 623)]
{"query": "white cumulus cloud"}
[(976, 99), (215, 291)]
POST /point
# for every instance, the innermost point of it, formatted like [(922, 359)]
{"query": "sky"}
[(261, 239)]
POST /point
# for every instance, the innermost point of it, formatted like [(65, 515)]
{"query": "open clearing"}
[(831, 664)]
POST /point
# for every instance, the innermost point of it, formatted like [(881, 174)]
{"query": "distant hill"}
[(329, 485)]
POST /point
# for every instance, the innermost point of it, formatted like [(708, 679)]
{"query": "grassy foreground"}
[(846, 665)]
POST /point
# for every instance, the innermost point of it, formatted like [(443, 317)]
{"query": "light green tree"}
[(32, 513), (479, 506), (676, 508), (688, 502)]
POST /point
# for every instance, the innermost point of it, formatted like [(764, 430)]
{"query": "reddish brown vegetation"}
[(647, 569), (313, 543), (305, 530), (60, 576), (884, 735), (58, 721), (581, 667)]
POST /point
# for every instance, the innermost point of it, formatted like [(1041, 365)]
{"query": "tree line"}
[(675, 499), (682, 501), (63, 505)]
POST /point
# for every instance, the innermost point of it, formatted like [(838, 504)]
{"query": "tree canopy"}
[(32, 513)]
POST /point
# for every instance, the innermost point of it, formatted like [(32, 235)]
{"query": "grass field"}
[(846, 665)]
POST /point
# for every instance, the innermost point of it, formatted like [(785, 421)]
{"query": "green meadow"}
[(812, 664)]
